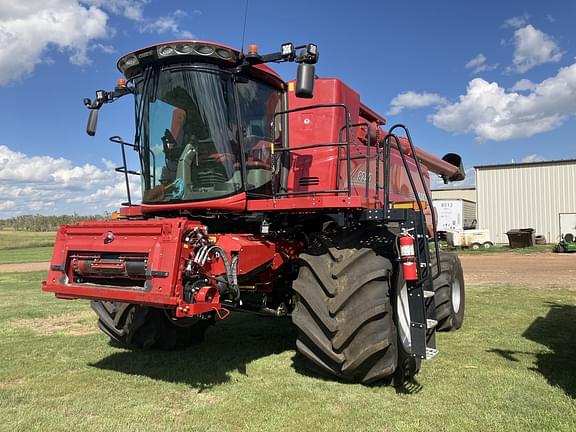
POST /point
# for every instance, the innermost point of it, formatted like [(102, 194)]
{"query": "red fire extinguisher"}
[(407, 256)]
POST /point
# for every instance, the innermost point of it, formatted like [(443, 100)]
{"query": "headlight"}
[(204, 49), (166, 50), (127, 62)]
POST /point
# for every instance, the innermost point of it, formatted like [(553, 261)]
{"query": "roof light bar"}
[(171, 50)]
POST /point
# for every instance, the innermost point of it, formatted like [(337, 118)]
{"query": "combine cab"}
[(281, 198)]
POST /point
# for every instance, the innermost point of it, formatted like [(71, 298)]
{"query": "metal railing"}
[(281, 150), (124, 168)]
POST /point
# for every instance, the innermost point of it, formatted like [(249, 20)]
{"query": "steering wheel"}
[(175, 189)]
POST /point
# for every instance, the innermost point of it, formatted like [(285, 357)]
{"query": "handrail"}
[(339, 144), (412, 184), (426, 192), (368, 144), (124, 168)]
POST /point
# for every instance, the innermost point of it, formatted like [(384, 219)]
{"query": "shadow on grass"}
[(303, 366), (556, 331), (229, 347)]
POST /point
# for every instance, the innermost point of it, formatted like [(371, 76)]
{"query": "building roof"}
[(527, 164), (453, 188)]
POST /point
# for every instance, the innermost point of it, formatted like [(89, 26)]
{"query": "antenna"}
[(244, 28)]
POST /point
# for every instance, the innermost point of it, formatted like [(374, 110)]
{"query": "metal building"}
[(465, 193), (525, 195)]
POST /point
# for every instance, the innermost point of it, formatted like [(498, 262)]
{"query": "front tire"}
[(449, 291), (344, 312), (141, 327)]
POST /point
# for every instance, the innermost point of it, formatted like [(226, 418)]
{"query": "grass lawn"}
[(502, 249), (25, 246), (10, 239), (511, 368), (23, 255)]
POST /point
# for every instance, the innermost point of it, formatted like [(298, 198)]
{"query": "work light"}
[(288, 51)]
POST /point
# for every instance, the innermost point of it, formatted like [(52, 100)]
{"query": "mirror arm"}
[(308, 55), (101, 98)]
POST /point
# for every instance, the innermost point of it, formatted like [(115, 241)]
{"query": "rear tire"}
[(344, 312), (449, 292), (141, 327)]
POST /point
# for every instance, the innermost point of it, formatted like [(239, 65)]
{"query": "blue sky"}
[(494, 81)]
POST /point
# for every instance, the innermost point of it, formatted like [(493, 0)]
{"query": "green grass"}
[(536, 249), (23, 255), (511, 368), (25, 246), (10, 239)]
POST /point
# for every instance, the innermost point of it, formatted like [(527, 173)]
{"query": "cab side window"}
[(258, 103)]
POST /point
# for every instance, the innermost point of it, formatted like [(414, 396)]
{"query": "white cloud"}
[(523, 85), (131, 9), (167, 24), (28, 28), (533, 158), (533, 47), (492, 113), (478, 64), (414, 100), (32, 184), (134, 10), (106, 49), (110, 196), (16, 166), (516, 22), (7, 205)]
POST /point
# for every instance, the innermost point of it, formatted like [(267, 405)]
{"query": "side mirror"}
[(305, 80), (92, 122)]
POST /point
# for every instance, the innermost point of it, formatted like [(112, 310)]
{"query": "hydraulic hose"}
[(231, 267)]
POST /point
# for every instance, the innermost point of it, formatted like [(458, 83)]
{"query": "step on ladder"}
[(421, 304)]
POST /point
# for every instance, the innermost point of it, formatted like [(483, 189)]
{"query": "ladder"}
[(421, 304)]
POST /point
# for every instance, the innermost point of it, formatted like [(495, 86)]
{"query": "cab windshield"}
[(187, 129)]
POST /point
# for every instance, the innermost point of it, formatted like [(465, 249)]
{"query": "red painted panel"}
[(315, 169), (234, 203), (158, 240), (87, 264)]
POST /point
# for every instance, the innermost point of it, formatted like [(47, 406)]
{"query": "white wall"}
[(525, 196)]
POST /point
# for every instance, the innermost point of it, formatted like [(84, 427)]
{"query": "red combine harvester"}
[(285, 199)]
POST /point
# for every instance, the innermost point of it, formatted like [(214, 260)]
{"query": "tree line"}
[(45, 223)]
